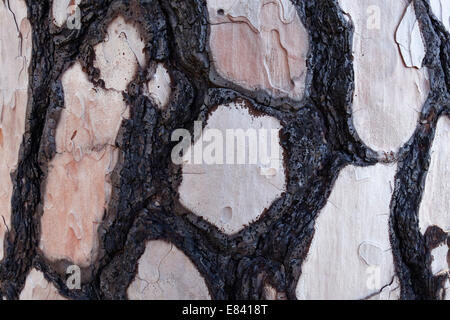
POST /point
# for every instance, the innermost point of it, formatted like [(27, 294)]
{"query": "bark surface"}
[(317, 136)]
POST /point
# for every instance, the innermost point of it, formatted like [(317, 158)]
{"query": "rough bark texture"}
[(317, 136)]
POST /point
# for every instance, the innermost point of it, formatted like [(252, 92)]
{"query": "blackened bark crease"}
[(21, 241), (318, 139), (412, 253)]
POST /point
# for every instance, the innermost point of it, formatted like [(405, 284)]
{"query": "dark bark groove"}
[(318, 138)]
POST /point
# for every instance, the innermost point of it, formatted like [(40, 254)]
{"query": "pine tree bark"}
[(130, 156)]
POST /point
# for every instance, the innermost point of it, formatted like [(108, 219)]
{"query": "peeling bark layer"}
[(233, 205), (38, 288), (138, 202), (351, 241), (165, 273), (259, 45), (390, 84)]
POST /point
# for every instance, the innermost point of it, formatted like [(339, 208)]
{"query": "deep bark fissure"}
[(317, 137)]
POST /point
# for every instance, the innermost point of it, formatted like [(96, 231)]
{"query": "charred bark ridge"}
[(317, 136)]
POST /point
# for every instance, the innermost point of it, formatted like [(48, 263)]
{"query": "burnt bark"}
[(318, 139)]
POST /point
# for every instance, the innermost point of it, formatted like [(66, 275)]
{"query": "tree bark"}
[(123, 190)]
